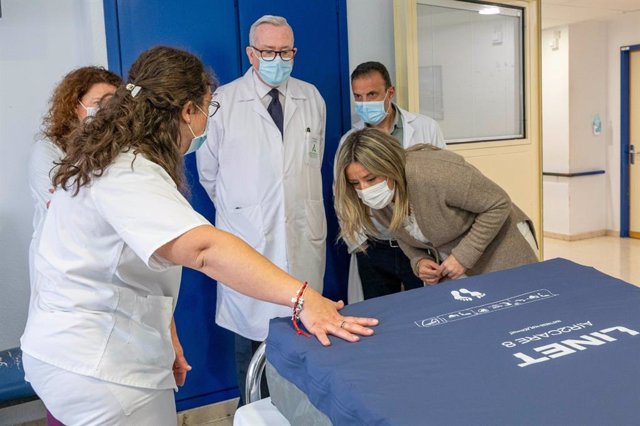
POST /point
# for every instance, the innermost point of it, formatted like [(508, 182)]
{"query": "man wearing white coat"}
[(384, 269), (261, 168)]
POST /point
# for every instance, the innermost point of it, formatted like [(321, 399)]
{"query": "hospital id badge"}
[(314, 149)]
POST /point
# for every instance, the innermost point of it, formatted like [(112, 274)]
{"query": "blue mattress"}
[(548, 343)]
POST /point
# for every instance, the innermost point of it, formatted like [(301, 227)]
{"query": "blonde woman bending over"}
[(449, 219)]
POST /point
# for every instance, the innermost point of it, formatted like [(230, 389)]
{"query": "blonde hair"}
[(382, 155)]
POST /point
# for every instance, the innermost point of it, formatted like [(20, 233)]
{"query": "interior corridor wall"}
[(574, 92), (592, 72), (40, 41)]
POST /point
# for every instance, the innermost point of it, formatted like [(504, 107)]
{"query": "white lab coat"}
[(267, 191), (416, 128), (104, 299), (44, 155)]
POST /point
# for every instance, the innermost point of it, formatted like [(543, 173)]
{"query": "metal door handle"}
[(632, 154)]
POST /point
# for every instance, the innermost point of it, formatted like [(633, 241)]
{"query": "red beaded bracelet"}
[(298, 301)]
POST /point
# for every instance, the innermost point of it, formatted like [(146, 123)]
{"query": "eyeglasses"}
[(270, 55), (214, 106)]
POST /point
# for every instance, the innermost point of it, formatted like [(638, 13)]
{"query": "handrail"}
[(589, 173)]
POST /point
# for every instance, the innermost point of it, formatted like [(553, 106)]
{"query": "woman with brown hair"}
[(97, 343), (76, 97), (448, 218)]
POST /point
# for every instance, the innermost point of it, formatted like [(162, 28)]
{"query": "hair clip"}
[(133, 89)]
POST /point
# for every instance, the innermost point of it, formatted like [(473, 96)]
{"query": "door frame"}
[(625, 80)]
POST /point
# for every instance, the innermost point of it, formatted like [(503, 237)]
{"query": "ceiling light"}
[(489, 10)]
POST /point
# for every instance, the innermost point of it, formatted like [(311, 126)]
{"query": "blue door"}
[(218, 31)]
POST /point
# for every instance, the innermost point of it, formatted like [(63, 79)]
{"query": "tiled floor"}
[(618, 257)]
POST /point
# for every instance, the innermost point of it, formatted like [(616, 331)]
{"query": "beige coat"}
[(461, 212)]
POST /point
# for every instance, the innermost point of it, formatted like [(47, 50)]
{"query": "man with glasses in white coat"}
[(383, 268), (261, 168)]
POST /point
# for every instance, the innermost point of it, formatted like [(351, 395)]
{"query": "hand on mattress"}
[(321, 318)]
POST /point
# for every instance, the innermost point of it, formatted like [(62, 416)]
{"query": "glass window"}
[(470, 69)]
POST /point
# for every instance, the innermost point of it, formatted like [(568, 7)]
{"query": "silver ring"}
[(342, 323)]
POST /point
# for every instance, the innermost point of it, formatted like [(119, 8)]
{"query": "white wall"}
[(588, 90), (370, 34), (588, 94), (624, 31), (555, 129), (555, 102), (574, 81), (40, 41)]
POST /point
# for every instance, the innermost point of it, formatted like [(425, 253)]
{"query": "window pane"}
[(470, 69)]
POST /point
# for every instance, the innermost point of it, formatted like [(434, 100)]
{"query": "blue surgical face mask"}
[(275, 72), (197, 141), (372, 112)]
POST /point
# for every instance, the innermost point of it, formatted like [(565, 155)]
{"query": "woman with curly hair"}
[(97, 345), (76, 97)]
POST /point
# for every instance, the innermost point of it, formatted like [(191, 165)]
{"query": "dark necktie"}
[(275, 109)]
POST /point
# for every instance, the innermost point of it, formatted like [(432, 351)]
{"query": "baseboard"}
[(581, 236), (218, 414)]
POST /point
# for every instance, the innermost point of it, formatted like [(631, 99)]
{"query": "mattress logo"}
[(572, 346), (465, 295), (468, 312)]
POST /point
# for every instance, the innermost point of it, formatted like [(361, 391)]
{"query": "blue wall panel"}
[(205, 28), (218, 33)]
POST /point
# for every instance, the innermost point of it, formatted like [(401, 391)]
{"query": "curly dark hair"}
[(147, 123), (62, 118)]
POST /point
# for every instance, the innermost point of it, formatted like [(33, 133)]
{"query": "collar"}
[(397, 121), (263, 89)]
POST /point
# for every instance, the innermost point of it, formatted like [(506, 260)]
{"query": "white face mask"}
[(91, 111), (377, 196)]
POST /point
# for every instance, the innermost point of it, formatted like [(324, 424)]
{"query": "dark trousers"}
[(245, 348), (384, 269)]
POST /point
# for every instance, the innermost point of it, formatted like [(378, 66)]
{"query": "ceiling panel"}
[(565, 12)]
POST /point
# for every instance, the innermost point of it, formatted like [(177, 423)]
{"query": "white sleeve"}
[(41, 163), (207, 155), (437, 137), (142, 204)]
